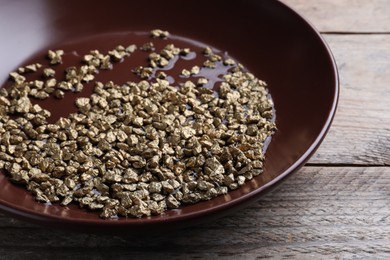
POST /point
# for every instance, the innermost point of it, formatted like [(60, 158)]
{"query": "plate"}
[(269, 38)]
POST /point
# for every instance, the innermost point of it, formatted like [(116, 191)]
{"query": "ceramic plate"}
[(274, 42)]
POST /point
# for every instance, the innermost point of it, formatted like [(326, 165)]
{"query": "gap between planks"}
[(353, 33), (340, 165)]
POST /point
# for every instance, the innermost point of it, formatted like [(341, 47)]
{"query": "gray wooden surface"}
[(336, 207)]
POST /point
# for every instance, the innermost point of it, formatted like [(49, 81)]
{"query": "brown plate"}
[(270, 39)]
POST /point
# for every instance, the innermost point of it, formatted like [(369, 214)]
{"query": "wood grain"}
[(318, 212), (360, 133), (352, 16)]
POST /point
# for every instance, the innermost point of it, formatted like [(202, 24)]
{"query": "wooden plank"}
[(326, 251), (319, 212), (345, 16), (360, 133)]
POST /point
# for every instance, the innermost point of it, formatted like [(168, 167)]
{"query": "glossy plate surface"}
[(270, 39)]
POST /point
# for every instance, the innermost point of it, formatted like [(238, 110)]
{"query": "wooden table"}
[(336, 207)]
